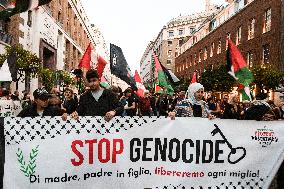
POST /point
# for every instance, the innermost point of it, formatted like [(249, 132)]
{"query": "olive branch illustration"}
[(28, 169)]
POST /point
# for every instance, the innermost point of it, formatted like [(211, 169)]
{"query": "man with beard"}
[(97, 101)]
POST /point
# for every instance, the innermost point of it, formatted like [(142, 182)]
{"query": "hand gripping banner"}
[(141, 152)]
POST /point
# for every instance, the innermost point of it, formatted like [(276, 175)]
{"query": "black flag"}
[(12, 63), (119, 66)]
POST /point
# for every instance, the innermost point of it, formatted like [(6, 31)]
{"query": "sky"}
[(132, 24)]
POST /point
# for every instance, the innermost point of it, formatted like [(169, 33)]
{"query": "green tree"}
[(267, 77), (49, 78), (217, 80), (27, 62)]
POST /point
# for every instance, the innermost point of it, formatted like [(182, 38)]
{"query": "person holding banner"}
[(40, 107), (97, 101), (193, 105)]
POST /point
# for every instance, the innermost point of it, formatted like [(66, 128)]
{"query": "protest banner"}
[(10, 108), (141, 152)]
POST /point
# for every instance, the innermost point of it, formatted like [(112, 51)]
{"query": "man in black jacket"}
[(40, 107), (97, 101)]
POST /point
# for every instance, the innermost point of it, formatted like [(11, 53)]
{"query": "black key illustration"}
[(236, 154)]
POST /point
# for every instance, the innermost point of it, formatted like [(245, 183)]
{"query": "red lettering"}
[(91, 149), (100, 151), (115, 150), (80, 156)]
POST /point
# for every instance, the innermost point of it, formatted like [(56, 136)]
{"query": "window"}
[(191, 30), (29, 23), (267, 21), (169, 53), (171, 33), (250, 59), (212, 25), (251, 29), (180, 42), (266, 54), (169, 61), (194, 39), (170, 43), (200, 55), (228, 37), (195, 59), (205, 53), (59, 17), (219, 47), (212, 50), (239, 35), (180, 31)]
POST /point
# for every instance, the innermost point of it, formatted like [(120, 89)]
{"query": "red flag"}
[(193, 80), (137, 77), (101, 65), (86, 59), (158, 89), (237, 60), (140, 86)]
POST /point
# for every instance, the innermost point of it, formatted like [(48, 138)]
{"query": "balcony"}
[(5, 37)]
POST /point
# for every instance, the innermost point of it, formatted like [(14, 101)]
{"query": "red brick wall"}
[(254, 10)]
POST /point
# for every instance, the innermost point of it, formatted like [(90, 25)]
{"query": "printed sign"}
[(10, 108), (141, 152)]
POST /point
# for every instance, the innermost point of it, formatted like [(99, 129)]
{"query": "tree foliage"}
[(267, 77), (30, 65), (27, 62), (51, 78), (217, 80)]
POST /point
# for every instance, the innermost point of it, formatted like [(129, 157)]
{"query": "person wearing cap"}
[(193, 105), (97, 101), (40, 107)]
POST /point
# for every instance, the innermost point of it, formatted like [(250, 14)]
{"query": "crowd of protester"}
[(99, 101)]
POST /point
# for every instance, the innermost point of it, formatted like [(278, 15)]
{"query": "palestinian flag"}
[(104, 83), (237, 67), (162, 79), (172, 78), (19, 6), (158, 89)]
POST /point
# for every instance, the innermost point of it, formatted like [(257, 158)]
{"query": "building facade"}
[(254, 26), (170, 39), (58, 33)]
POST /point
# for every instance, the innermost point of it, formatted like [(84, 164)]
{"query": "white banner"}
[(141, 152)]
